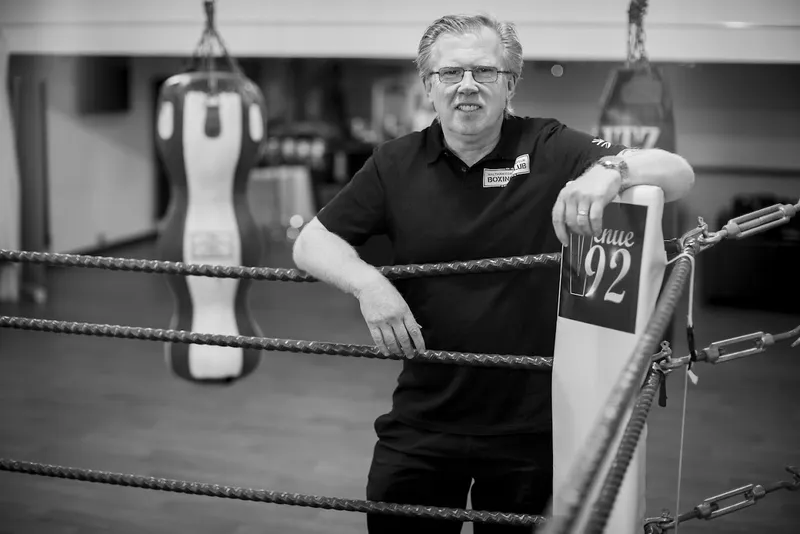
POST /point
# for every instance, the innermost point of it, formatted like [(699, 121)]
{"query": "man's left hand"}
[(579, 207)]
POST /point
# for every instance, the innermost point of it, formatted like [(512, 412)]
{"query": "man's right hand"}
[(391, 323)]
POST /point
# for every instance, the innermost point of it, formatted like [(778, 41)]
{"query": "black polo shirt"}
[(435, 208)]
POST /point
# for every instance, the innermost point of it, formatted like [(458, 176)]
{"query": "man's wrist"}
[(366, 277), (619, 165)]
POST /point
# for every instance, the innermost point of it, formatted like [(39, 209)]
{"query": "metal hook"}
[(790, 334), (795, 472)]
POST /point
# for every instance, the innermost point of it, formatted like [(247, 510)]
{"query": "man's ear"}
[(428, 85), (512, 86)]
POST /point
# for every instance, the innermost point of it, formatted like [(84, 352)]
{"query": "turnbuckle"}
[(719, 351), (722, 351), (710, 508), (751, 223), (750, 493)]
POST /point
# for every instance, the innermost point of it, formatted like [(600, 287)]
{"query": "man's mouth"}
[(468, 107)]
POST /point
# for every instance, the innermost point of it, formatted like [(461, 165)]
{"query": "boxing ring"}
[(651, 358), (610, 363)]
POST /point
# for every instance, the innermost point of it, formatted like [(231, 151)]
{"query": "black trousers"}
[(512, 474)]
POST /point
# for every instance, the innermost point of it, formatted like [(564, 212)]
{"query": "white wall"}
[(100, 167), (677, 30)]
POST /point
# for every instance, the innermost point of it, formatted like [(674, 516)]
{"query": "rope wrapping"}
[(285, 345), (489, 265), (584, 472), (265, 496), (630, 440)]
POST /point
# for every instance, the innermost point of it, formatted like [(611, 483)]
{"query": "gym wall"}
[(734, 92)]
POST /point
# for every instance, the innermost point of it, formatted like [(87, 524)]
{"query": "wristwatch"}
[(618, 164)]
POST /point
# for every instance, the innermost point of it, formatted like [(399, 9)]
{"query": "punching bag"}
[(210, 125), (637, 111), (636, 105)]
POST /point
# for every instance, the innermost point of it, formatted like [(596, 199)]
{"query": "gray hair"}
[(461, 24)]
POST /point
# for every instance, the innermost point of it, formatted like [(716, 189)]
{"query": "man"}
[(478, 183)]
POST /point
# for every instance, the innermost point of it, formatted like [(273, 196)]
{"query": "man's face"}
[(469, 107)]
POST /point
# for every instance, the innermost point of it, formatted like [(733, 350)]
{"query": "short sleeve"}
[(358, 211), (575, 151)]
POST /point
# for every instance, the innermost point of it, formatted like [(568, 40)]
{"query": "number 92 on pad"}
[(600, 274)]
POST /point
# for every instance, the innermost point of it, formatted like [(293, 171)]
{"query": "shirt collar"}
[(506, 148)]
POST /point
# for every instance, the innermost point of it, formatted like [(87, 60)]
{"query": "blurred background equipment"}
[(637, 109), (209, 129), (10, 212)]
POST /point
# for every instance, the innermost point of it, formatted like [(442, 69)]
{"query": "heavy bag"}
[(637, 112), (637, 109), (209, 128)]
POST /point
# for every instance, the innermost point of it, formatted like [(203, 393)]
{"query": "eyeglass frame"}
[(498, 72)]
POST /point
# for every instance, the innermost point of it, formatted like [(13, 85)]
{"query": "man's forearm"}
[(660, 168), (332, 260)]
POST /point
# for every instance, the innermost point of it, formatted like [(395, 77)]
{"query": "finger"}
[(391, 340), (571, 216), (558, 221), (403, 338), (596, 218), (415, 331), (582, 218), (377, 338)]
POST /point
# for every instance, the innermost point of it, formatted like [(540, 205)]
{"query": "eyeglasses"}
[(479, 74)]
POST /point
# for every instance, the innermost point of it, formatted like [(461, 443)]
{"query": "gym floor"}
[(303, 423)]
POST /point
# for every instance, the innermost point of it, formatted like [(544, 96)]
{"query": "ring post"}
[(608, 290)]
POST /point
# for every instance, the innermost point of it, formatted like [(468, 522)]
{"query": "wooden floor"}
[(303, 423)]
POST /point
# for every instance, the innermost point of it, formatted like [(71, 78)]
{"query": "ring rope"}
[(286, 345), (489, 265), (574, 497), (604, 504), (295, 499), (585, 471), (265, 496)]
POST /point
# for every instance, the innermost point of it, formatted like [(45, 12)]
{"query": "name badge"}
[(497, 177), (522, 165)]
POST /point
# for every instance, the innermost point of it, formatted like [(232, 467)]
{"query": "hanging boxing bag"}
[(637, 104), (637, 110), (210, 124)]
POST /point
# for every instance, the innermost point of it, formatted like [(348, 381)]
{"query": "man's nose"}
[(468, 83)]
